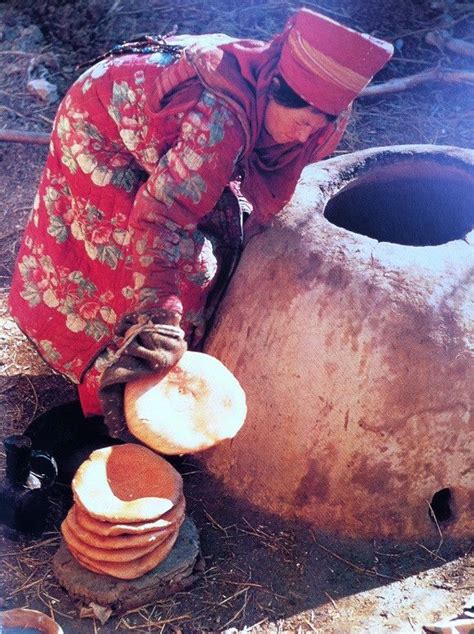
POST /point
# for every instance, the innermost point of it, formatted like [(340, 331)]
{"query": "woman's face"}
[(292, 125)]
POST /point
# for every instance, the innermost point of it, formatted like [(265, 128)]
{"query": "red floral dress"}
[(115, 226)]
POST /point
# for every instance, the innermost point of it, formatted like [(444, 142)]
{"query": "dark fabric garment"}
[(152, 346), (69, 437)]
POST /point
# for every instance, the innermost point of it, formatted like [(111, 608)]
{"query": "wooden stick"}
[(23, 136), (403, 83), (441, 39)]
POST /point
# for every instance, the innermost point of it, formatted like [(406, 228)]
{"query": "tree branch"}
[(441, 40), (23, 136), (403, 83)]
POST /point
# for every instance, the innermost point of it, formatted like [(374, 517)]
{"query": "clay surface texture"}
[(354, 314)]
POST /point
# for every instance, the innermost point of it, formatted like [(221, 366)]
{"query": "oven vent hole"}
[(440, 506)]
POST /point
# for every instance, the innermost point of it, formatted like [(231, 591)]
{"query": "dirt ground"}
[(262, 574)]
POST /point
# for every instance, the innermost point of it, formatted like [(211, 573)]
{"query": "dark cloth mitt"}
[(151, 344)]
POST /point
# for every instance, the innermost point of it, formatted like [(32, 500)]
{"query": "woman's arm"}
[(184, 186)]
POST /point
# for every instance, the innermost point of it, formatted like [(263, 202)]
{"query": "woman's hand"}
[(150, 344)]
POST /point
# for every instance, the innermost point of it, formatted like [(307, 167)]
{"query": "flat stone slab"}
[(176, 572)]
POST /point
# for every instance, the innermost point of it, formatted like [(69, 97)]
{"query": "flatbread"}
[(126, 483), (119, 542), (122, 555), (132, 569), (104, 528), (196, 405)]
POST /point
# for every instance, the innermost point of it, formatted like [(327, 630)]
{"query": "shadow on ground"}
[(260, 570)]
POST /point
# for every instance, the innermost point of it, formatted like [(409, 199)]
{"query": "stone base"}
[(176, 572)]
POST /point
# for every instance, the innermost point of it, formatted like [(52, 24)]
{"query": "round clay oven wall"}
[(347, 324)]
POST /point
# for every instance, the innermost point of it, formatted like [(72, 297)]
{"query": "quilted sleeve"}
[(184, 186)]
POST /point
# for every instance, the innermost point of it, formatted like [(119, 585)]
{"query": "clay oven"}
[(348, 324)]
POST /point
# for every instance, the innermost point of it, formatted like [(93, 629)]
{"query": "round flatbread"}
[(131, 569), (122, 555), (196, 405), (140, 540), (126, 483), (103, 528)]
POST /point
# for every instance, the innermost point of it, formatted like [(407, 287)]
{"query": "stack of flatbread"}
[(127, 512)]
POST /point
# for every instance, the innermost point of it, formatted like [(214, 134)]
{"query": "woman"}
[(137, 214)]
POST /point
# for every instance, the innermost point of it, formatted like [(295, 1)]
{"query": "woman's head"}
[(288, 117), (327, 63)]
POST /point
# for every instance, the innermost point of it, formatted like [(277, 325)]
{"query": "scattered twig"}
[(20, 53), (404, 34), (309, 624), (250, 584), (403, 83), (365, 571), (139, 609), (63, 614), (255, 625), (155, 624), (25, 586), (239, 592), (18, 114), (257, 532), (23, 136), (379, 552), (35, 397), (462, 6), (407, 60), (412, 625), (435, 520), (47, 119), (332, 600), (33, 547), (431, 552), (51, 611), (215, 523), (239, 611), (346, 561), (272, 541), (8, 234)]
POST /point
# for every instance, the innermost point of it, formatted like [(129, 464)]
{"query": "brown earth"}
[(263, 575)]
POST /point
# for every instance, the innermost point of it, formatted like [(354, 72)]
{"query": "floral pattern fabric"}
[(115, 225)]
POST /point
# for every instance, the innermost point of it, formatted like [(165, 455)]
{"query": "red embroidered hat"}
[(327, 63)]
